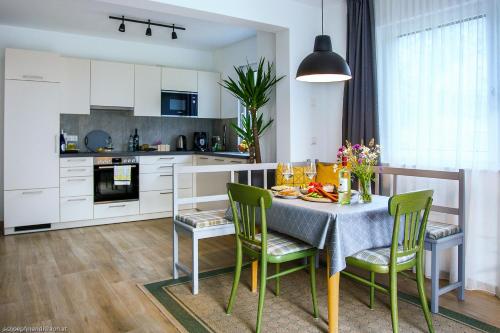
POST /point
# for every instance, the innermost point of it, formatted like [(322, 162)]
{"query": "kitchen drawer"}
[(30, 207), (76, 162), (77, 208), (155, 168), (155, 182), (166, 159), (76, 172), (236, 161), (77, 186), (116, 209), (155, 202)]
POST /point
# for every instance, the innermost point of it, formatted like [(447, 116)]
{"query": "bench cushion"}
[(437, 230), (279, 244), (380, 256), (203, 219)]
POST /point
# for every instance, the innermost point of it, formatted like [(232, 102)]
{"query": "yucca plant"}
[(253, 88)]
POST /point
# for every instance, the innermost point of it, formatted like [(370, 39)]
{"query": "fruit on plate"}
[(315, 190), (243, 146), (281, 188), (289, 193)]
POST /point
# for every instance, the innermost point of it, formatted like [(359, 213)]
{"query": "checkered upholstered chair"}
[(267, 247), (410, 211)]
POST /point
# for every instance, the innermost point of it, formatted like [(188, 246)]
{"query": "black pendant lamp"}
[(323, 65)]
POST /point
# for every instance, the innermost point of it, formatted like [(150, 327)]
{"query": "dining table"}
[(341, 230)]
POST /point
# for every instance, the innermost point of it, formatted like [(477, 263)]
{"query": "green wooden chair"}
[(267, 247), (414, 208)]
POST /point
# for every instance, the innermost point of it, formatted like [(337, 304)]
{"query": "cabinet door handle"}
[(167, 158), (33, 77), (218, 159), (76, 179), (81, 199), (165, 175), (76, 160), (165, 193), (164, 166), (32, 192), (76, 170), (203, 158), (117, 206), (235, 162)]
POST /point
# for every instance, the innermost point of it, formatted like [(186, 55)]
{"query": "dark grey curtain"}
[(360, 116)]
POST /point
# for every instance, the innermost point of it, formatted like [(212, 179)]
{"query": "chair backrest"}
[(414, 208), (250, 200)]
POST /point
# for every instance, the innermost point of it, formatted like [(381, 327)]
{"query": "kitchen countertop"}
[(229, 154)]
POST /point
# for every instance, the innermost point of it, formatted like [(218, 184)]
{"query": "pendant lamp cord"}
[(322, 17)]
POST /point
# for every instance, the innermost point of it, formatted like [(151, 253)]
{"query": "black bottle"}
[(136, 141), (62, 143)]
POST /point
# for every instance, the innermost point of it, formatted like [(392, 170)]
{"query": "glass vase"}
[(365, 189)]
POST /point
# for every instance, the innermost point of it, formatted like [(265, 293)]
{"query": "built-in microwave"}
[(179, 103)]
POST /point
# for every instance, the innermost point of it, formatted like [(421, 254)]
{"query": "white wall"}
[(92, 47), (237, 54)]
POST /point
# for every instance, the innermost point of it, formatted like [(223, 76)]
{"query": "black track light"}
[(122, 25), (174, 34), (148, 30)]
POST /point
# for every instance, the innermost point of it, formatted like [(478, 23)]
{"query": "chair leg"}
[(195, 265), (372, 289), (277, 290), (421, 291), (434, 279), (461, 271), (393, 276), (312, 275), (236, 279), (175, 255), (262, 293)]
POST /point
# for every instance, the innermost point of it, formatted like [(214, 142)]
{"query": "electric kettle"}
[(181, 143)]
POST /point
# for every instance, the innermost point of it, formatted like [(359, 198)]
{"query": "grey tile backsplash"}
[(120, 124)]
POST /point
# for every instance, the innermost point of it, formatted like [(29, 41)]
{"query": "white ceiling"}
[(90, 17)]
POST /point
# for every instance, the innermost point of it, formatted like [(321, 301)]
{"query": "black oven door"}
[(105, 189), (182, 104)]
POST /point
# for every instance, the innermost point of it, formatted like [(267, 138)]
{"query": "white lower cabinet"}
[(116, 209), (155, 182), (155, 202), (30, 207), (77, 208), (76, 186)]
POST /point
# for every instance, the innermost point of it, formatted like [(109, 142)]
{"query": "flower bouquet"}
[(361, 160)]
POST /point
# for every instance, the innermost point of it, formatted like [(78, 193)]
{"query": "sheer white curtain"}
[(439, 105)]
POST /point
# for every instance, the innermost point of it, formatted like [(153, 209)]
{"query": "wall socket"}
[(314, 141)]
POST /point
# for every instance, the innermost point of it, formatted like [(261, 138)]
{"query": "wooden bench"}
[(439, 236), (204, 224)]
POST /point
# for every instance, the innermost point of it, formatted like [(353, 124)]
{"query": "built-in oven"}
[(179, 103), (116, 179)]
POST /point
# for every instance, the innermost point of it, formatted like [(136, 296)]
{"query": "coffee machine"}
[(200, 141)]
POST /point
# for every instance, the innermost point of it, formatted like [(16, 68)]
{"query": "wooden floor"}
[(85, 278)]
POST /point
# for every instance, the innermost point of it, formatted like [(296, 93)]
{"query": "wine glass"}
[(310, 170), (287, 171)]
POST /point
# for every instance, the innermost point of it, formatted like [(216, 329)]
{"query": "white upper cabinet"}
[(32, 65), (111, 84), (31, 144), (179, 79), (75, 98), (147, 91), (208, 95)]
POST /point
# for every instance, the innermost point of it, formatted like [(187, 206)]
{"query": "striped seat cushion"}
[(437, 230), (380, 256), (203, 219), (279, 244)]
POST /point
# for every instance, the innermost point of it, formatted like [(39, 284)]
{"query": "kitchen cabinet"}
[(147, 91), (116, 209), (31, 207), (213, 183), (75, 86), (77, 186), (179, 79), (208, 95), (156, 202), (111, 84), (31, 141), (77, 208), (31, 65)]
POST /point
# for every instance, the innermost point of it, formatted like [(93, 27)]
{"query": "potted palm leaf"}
[(252, 88)]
